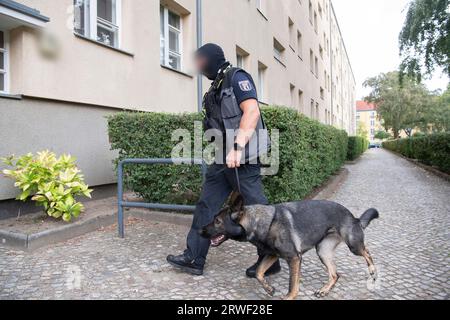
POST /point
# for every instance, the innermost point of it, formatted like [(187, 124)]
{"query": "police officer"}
[(231, 103)]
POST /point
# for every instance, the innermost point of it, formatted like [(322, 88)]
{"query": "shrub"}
[(50, 181), (356, 147), (309, 153), (432, 150)]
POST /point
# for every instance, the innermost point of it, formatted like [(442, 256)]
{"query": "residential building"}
[(68, 64), (367, 119)]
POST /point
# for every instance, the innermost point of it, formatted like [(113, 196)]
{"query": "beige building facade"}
[(92, 58)]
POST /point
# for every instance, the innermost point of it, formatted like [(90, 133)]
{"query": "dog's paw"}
[(288, 298), (373, 273), (321, 293), (270, 290)]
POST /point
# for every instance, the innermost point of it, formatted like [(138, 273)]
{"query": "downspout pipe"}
[(199, 44)]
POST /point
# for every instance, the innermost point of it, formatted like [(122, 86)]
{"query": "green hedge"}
[(309, 153), (432, 150), (356, 147)]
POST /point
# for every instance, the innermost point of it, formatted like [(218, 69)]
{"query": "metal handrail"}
[(159, 206)]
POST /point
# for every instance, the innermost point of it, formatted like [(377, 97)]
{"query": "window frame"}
[(6, 70), (179, 32), (262, 69), (91, 22)]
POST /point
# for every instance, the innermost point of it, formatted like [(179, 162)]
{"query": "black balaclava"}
[(215, 59)]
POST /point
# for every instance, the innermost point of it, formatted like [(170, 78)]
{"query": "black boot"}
[(182, 263), (274, 269)]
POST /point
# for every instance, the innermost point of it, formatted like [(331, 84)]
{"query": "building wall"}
[(371, 122), (82, 81), (30, 125), (120, 80)]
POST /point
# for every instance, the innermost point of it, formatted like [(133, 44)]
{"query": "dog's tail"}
[(368, 216)]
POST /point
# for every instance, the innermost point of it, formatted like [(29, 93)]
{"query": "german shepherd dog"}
[(288, 231)]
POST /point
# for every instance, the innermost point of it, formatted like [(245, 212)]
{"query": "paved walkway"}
[(410, 244)]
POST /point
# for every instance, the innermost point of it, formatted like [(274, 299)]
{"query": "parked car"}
[(374, 145)]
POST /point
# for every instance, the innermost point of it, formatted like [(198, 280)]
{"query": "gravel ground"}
[(410, 245)]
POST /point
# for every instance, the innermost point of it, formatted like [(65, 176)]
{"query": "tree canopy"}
[(424, 39), (402, 106)]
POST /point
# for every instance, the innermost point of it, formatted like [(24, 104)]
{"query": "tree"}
[(402, 106), (382, 135), (425, 40), (437, 116), (362, 131)]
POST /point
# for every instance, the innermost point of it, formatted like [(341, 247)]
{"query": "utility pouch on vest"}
[(231, 112)]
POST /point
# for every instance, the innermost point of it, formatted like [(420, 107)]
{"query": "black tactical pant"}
[(219, 183)]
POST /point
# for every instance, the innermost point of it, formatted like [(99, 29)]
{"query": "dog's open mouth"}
[(218, 240)]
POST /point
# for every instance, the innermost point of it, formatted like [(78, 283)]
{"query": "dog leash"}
[(238, 180)]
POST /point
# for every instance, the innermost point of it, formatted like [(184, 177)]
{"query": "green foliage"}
[(382, 135), (433, 150), (425, 38), (362, 131), (402, 106), (437, 116), (356, 147), (309, 153), (50, 181)]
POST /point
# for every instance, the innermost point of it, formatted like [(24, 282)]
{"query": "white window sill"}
[(262, 14), (103, 45), (5, 95), (280, 61), (177, 71)]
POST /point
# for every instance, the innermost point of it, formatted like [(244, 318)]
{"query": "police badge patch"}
[(245, 85)]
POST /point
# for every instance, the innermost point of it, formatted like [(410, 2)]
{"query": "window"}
[(278, 50), (320, 11), (300, 44), (260, 5), (316, 66), (98, 20), (4, 63), (321, 51), (312, 111), (261, 81), (311, 60), (317, 116), (170, 39), (292, 92), (310, 12), (292, 35), (239, 61), (241, 57), (300, 101), (322, 93), (316, 26)]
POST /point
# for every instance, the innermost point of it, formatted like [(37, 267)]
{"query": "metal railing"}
[(159, 206)]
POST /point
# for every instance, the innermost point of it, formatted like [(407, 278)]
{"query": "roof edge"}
[(34, 13)]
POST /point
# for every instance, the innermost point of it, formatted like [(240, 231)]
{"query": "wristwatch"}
[(238, 147)]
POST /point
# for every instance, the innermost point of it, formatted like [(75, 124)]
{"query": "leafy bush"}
[(309, 153), (356, 147), (432, 150), (50, 181)]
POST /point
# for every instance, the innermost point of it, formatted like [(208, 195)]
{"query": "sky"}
[(370, 29)]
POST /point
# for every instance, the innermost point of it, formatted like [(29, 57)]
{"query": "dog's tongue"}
[(217, 241)]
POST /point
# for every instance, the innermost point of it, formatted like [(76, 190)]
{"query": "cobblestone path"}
[(410, 245)]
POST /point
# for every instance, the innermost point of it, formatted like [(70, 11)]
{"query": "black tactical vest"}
[(223, 113)]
